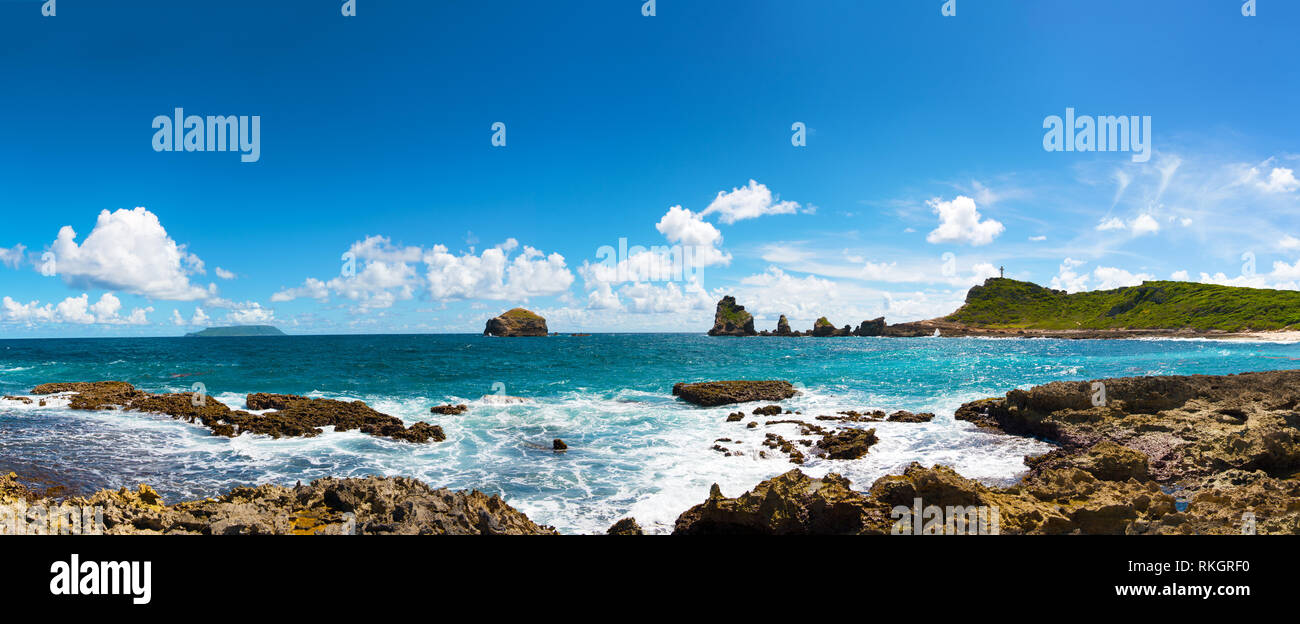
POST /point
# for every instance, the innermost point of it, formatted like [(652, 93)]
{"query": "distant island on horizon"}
[(237, 331)]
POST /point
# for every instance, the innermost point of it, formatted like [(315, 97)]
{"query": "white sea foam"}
[(631, 453)]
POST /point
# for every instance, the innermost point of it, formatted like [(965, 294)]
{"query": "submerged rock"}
[(502, 399), (515, 323), (449, 410), (731, 319), (713, 393)]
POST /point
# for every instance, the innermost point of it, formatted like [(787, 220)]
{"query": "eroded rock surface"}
[(1229, 445), (372, 505), (713, 393)]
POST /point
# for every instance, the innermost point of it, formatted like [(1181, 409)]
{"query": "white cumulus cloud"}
[(128, 251), (75, 310), (960, 222), (748, 202)]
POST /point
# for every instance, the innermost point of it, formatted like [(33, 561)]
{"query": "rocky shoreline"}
[(1138, 456), (329, 506), (1141, 455), (290, 415)]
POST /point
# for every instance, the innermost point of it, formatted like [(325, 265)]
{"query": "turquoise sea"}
[(634, 449)]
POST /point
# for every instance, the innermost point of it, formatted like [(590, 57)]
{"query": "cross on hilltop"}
[(1002, 272)]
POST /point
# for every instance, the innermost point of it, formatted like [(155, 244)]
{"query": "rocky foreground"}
[(1153, 455), (369, 506)]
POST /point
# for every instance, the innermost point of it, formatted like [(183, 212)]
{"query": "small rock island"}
[(515, 323), (732, 319)]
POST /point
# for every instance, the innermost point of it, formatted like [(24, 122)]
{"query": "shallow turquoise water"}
[(635, 450)]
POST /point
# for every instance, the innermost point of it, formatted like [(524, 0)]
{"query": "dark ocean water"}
[(635, 450)]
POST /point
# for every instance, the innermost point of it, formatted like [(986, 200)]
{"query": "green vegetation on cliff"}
[(730, 313), (1005, 303), (239, 330), (522, 314)]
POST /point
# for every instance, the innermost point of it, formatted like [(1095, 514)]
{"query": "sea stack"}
[(823, 328), (516, 322), (783, 327), (732, 319)]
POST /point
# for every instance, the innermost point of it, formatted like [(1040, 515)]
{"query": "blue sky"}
[(924, 165)]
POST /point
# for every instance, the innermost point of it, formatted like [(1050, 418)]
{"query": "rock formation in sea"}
[(1228, 444), (515, 323), (823, 328), (713, 393), (783, 327), (875, 327), (731, 319), (292, 415), (909, 417), (368, 506)]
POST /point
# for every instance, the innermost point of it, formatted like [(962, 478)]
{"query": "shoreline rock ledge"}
[(515, 323), (714, 393)]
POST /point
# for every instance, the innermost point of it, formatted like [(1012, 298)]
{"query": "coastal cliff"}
[(515, 323), (1003, 307)]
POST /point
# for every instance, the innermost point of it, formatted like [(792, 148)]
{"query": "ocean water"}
[(634, 449)]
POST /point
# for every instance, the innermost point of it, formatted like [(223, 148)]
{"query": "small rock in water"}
[(559, 445), (450, 410), (714, 393), (908, 417)]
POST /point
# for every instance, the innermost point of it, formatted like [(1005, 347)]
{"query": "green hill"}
[(1005, 303), (238, 330)]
